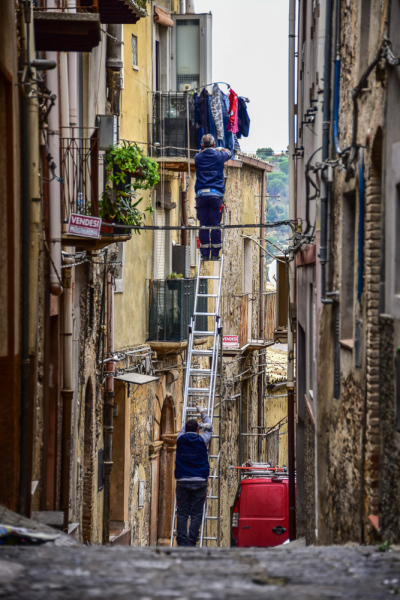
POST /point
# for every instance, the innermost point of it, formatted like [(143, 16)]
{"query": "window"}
[(187, 53), (365, 7), (348, 266), (248, 281), (134, 52)]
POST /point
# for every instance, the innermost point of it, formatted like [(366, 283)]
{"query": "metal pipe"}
[(190, 10), (108, 409), (184, 210), (291, 277), (67, 392), (325, 143), (53, 134), (182, 7)]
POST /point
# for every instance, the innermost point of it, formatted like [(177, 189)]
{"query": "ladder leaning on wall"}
[(201, 387)]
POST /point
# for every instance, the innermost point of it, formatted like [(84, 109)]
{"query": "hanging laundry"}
[(199, 128), (243, 118), (203, 111), (211, 125), (216, 111), (237, 145), (228, 141), (233, 112)]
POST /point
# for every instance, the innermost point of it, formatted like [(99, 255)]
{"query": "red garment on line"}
[(233, 112)]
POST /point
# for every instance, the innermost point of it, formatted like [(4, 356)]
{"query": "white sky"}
[(250, 52)]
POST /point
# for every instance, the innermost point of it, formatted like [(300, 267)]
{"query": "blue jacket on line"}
[(210, 169)]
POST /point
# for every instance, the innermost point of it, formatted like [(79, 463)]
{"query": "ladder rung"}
[(213, 456), (209, 277), (207, 295), (213, 477), (206, 372), (201, 391), (215, 436), (210, 538), (204, 333), (212, 518), (212, 497), (205, 314), (202, 353)]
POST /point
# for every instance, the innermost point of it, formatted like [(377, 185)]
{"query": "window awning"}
[(137, 378), (162, 17)]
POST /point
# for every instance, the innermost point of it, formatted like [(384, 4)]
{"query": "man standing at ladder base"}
[(210, 190), (191, 472)]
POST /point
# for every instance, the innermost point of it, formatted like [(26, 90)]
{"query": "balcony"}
[(171, 304), (121, 11), (241, 316), (79, 148), (60, 31), (174, 133)]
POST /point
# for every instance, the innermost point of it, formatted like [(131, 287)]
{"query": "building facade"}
[(345, 158)]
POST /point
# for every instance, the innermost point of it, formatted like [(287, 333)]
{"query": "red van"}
[(260, 512)]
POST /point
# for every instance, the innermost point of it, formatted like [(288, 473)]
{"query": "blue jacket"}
[(191, 457), (210, 169)]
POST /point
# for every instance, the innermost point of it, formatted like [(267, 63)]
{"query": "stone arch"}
[(373, 216), (166, 483), (88, 464)]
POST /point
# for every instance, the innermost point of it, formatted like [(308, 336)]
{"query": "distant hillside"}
[(277, 198)]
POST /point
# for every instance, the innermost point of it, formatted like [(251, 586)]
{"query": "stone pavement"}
[(288, 572)]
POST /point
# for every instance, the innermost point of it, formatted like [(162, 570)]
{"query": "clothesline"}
[(217, 83)]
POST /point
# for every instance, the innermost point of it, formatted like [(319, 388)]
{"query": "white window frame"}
[(135, 67)]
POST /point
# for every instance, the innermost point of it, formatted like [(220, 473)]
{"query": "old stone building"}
[(346, 271)]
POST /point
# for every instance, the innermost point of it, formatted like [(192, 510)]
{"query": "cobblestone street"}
[(55, 573)]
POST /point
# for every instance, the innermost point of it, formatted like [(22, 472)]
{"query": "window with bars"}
[(187, 53)]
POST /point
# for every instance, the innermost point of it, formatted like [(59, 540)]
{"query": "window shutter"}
[(159, 259)]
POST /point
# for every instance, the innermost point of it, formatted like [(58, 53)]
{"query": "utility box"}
[(181, 260), (108, 131)]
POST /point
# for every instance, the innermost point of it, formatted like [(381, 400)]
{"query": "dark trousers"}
[(209, 213), (190, 498)]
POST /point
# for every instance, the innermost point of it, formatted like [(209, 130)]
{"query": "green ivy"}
[(127, 170)]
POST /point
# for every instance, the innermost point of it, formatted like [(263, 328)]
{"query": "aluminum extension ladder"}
[(201, 388)]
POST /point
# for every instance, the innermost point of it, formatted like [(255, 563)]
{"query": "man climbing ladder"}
[(191, 472), (210, 190)]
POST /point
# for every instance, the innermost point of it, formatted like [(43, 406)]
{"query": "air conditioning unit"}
[(181, 260)]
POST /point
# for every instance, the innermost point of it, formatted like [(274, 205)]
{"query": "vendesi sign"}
[(230, 341), (84, 226)]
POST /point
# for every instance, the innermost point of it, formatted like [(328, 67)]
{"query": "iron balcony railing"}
[(79, 171), (171, 306), (174, 129)]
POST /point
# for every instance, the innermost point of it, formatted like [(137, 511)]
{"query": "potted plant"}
[(127, 171), (173, 279)]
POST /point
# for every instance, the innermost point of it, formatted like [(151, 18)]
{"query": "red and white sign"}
[(230, 341), (84, 226)]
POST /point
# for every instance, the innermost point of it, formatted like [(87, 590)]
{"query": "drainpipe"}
[(67, 392), (292, 280), (184, 210), (260, 422), (190, 7), (325, 148), (182, 7), (53, 133), (108, 407)]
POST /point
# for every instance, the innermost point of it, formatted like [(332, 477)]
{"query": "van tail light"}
[(235, 519)]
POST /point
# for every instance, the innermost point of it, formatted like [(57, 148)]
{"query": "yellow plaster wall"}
[(131, 306)]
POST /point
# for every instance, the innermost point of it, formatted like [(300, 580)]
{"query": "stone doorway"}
[(166, 484)]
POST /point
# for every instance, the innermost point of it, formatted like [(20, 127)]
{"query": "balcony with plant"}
[(128, 171)]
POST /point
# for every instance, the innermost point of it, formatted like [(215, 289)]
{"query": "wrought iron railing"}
[(79, 171), (174, 127), (171, 306)]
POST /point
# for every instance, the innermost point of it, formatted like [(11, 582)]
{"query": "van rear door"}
[(263, 517)]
